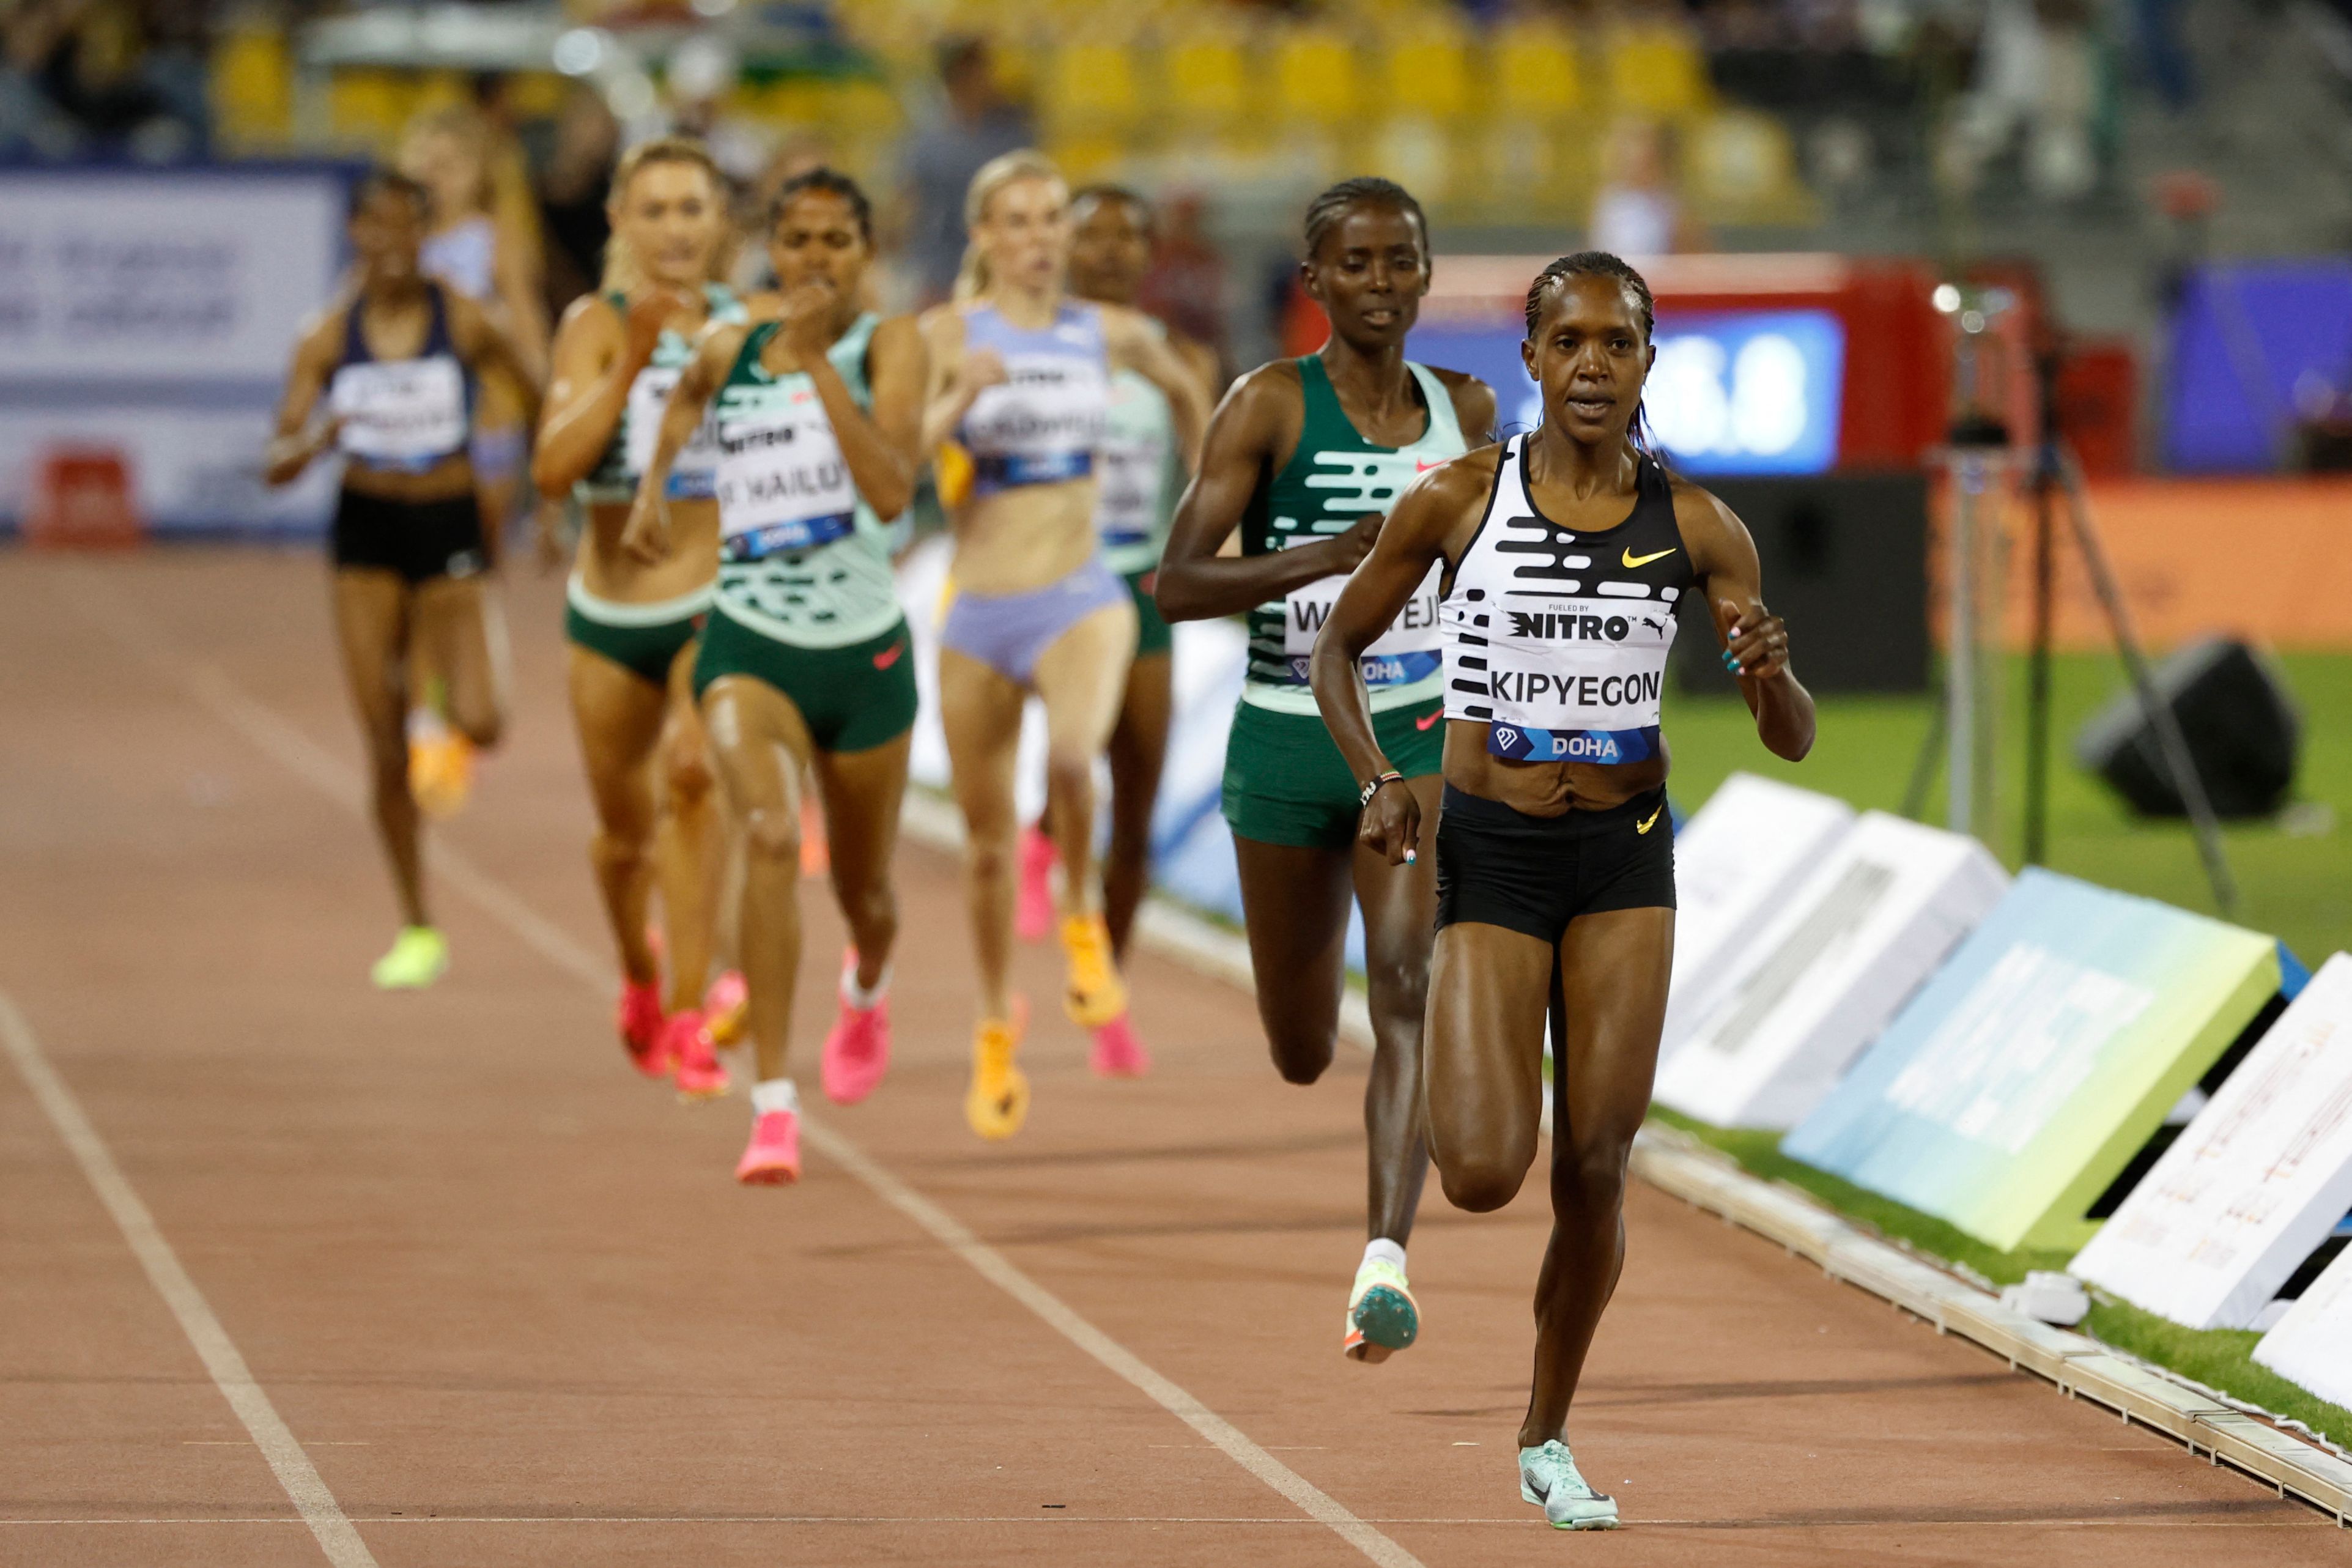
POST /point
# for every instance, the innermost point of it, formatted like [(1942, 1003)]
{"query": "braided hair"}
[(1324, 213), (1603, 264)]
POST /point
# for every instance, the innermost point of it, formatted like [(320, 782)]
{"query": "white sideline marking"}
[(213, 1346), (259, 723)]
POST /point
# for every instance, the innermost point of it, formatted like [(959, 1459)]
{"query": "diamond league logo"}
[(1506, 736)]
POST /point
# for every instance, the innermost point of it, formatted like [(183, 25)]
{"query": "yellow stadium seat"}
[(1207, 78), (1741, 167), (1092, 85), (1315, 75), (1429, 70), (1656, 71), (1535, 73), (252, 87), (367, 106)]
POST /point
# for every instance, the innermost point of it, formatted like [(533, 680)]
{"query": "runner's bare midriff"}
[(447, 479), (1029, 537), (612, 575), (1545, 789)]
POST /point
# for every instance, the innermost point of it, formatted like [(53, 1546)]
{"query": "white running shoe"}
[(1548, 1477)]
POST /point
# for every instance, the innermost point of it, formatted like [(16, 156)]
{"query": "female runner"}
[(396, 362), (488, 257), (1304, 458), (1019, 377), (803, 663), (1565, 553), (1110, 250), (632, 626)]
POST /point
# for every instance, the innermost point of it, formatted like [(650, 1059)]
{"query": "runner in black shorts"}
[(395, 363), (1565, 554)]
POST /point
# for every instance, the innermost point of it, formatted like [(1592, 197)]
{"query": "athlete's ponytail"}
[(624, 272), (1005, 168), (1603, 264)]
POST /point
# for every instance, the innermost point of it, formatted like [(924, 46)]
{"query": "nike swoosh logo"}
[(1421, 467), (890, 656), (1632, 559), (1426, 720), (1646, 826)]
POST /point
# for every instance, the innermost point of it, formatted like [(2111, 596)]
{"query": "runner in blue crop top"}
[(1020, 379), (632, 626), (391, 366)]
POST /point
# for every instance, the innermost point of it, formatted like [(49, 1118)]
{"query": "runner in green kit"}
[(1141, 477), (805, 665), (1305, 458)]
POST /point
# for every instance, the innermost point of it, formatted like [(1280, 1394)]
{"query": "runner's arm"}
[(1134, 346), (646, 536), (1756, 641), (1414, 539), (955, 378), (1195, 581), (484, 345), (298, 442), (881, 448), (598, 353)]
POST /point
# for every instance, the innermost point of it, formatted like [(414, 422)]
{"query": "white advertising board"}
[(162, 277), (2255, 1181), (1736, 861), (190, 467), (2313, 1343), (1878, 913)]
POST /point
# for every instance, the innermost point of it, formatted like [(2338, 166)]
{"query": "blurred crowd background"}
[(2107, 144)]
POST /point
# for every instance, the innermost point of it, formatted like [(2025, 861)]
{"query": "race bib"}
[(694, 473), (1407, 652), (400, 413), (781, 474), (1126, 506), (1042, 424), (1575, 680)]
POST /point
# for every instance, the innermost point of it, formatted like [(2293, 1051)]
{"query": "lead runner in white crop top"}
[(1565, 551), (1019, 380)]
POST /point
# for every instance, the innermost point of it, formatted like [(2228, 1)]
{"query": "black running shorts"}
[(419, 540), (1499, 866)]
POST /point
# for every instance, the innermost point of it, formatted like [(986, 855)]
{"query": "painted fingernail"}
[(1410, 856)]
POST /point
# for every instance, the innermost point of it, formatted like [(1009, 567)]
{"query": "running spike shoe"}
[(773, 1158), (1032, 909), (857, 1052), (998, 1100), (1117, 1052), (694, 1065), (725, 1007), (1096, 995), (1549, 1478), (641, 1022), (418, 956), (1383, 1317), (440, 771)]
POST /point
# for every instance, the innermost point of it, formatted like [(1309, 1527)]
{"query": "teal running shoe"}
[(1547, 1479), (1381, 1316)]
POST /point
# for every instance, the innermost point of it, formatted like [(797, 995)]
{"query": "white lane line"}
[(235, 1380), (303, 757), (1287, 1521)]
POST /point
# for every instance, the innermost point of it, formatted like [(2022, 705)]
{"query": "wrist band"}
[(1372, 786)]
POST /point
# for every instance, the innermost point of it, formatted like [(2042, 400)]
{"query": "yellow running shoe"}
[(419, 956), (999, 1097), (1096, 995)]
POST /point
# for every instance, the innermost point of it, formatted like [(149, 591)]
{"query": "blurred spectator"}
[(1186, 284), (2162, 53), (942, 157), (103, 77), (701, 75), (573, 191), (2036, 77), (1635, 211)]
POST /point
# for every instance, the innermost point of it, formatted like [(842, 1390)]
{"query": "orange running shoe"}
[(1117, 1052), (724, 1007), (773, 1158), (440, 772), (694, 1065), (998, 1101), (641, 1022), (1032, 909), (1096, 994)]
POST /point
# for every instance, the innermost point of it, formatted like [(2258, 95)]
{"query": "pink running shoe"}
[(1033, 914), (724, 1006), (773, 1158), (694, 1065), (639, 1019), (857, 1052), (1118, 1053)]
